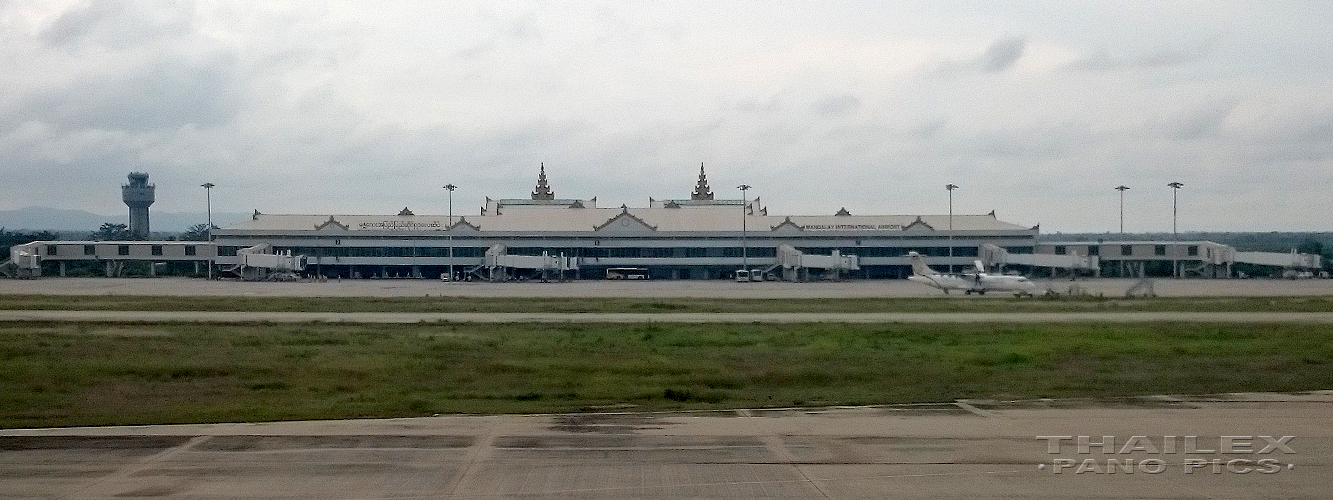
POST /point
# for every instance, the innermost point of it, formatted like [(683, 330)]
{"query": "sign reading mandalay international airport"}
[(400, 225), (852, 227)]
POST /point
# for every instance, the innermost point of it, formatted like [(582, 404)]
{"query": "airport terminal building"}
[(699, 237)]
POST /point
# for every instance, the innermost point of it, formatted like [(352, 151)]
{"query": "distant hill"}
[(56, 219)]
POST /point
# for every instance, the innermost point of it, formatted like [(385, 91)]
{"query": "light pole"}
[(950, 187), (1175, 236), (450, 227), (208, 195), (1122, 190), (745, 254)]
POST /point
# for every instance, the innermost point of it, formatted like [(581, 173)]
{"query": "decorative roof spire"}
[(542, 191), (701, 191)]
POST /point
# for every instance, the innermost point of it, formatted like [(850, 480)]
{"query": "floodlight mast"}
[(212, 252), (449, 226), (1122, 190), (1175, 236), (745, 254), (951, 187)]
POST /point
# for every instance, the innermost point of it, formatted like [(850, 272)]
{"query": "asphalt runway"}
[(634, 289), (406, 317), (969, 449)]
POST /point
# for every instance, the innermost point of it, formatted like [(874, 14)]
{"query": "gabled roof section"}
[(842, 212), (464, 226), (918, 225), (625, 222), (331, 223), (787, 226)]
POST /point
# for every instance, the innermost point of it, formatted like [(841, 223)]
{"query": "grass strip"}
[(683, 305), (64, 374)]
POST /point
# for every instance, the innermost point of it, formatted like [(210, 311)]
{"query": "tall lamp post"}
[(1122, 190), (450, 227), (208, 195), (1175, 236), (745, 253), (950, 187)]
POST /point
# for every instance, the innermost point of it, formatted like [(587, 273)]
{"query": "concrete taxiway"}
[(899, 317), (634, 289), (967, 449)]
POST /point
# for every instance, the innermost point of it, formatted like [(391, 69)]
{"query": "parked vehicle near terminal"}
[(743, 275), (627, 273)]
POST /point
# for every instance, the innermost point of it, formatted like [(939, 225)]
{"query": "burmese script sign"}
[(401, 225), (852, 227)]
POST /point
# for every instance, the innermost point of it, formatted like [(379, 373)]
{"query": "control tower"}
[(138, 194)]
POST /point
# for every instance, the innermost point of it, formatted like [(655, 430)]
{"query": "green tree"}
[(111, 231), (1311, 245), (11, 238), (197, 232)]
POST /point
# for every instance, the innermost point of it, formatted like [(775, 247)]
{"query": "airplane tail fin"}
[(919, 266)]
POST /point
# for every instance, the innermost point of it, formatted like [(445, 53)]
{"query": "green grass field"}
[(684, 305), (61, 374)]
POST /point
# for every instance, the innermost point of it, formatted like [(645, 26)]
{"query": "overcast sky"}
[(1036, 109)]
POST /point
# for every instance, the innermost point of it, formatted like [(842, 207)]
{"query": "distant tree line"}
[(11, 238)]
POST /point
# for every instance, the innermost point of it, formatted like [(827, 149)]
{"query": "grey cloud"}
[(835, 105), (165, 95), (1002, 54), (1102, 61), (1197, 122), (119, 24)]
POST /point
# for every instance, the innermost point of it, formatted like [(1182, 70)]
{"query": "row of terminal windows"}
[(596, 252), (1192, 250), (120, 250), (622, 252)]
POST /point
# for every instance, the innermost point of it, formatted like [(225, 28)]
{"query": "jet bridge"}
[(796, 265), (502, 266), (257, 264), (25, 262), (994, 256), (1293, 260)]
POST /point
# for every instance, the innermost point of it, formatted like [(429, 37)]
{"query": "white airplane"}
[(978, 282)]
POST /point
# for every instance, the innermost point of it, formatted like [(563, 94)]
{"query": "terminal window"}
[(157, 249), (1059, 249), (1126, 250), (90, 249), (1160, 250), (50, 249), (123, 250), (190, 250), (1193, 250)]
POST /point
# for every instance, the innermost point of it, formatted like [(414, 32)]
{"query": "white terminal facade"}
[(700, 237)]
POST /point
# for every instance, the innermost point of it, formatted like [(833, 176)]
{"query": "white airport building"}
[(699, 237)]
